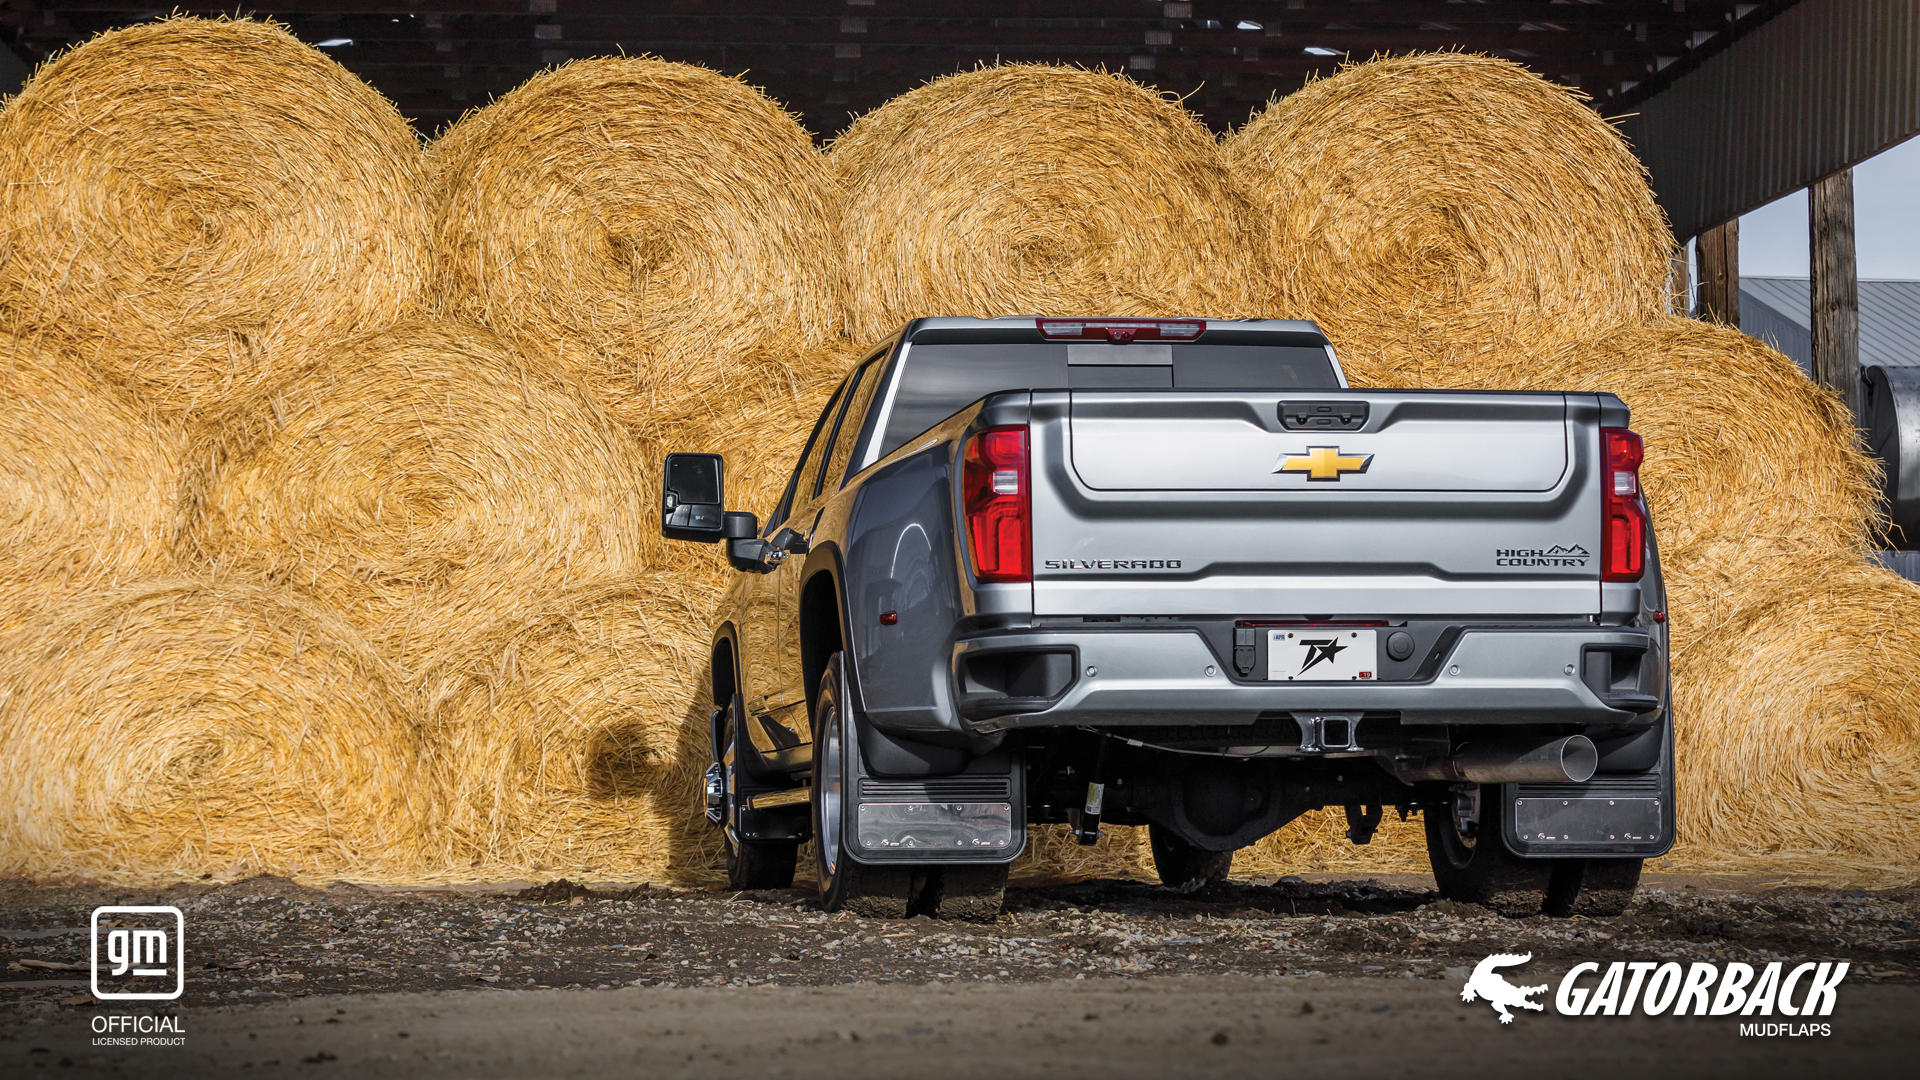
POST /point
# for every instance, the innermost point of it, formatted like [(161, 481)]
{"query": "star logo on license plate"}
[(1318, 651)]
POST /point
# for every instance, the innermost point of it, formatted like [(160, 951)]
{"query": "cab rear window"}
[(938, 380)]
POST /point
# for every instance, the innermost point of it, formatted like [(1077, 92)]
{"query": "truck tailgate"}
[(1316, 503)]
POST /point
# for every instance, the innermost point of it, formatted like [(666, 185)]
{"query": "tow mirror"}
[(693, 501)]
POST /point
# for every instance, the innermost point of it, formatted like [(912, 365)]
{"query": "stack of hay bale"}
[(334, 459), (328, 463), (187, 210), (663, 240), (1456, 221)]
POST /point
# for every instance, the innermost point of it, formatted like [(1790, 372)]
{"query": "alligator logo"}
[(1487, 984)]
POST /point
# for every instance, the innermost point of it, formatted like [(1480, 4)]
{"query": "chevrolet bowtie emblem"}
[(1324, 463)]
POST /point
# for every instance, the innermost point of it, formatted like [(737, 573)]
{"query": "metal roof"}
[(830, 60), (1782, 315), (1826, 84)]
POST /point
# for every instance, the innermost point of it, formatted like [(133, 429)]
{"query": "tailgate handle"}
[(1323, 415)]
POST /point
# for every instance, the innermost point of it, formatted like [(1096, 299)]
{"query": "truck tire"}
[(971, 893), (751, 864), (1478, 869), (1183, 866), (845, 885), (1596, 888)]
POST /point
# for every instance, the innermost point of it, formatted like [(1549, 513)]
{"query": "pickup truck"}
[(1176, 573)]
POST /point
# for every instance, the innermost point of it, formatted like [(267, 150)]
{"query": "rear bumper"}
[(1117, 678)]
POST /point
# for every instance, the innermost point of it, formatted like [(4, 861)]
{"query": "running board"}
[(772, 800)]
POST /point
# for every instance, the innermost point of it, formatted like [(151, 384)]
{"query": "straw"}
[(665, 233), (176, 728), (86, 481), (427, 478), (1446, 206), (1031, 189), (191, 205)]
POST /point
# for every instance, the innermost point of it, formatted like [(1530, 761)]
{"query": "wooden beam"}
[(1720, 273), (1680, 281), (1836, 293)]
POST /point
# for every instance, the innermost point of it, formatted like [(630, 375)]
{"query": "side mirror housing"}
[(693, 498)]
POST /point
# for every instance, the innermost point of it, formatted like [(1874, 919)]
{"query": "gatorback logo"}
[(1648, 988), (1557, 555), (1488, 985), (1112, 564)]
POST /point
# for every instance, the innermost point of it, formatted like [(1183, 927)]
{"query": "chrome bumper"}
[(1129, 677)]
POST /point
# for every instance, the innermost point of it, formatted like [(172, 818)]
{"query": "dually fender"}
[(903, 596)]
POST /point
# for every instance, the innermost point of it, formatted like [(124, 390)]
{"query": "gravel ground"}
[(264, 941)]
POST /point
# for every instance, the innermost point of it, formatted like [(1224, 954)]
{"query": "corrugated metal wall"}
[(1819, 87), (1904, 563)]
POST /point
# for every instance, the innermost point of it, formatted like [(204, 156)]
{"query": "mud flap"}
[(977, 815), (1609, 816)]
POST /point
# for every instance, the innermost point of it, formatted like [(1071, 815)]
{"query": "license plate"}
[(1333, 654)]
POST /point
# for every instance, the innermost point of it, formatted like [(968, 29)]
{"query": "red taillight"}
[(1120, 331), (1623, 542), (997, 503)]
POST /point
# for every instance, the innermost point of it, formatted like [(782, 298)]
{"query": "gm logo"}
[(137, 951)]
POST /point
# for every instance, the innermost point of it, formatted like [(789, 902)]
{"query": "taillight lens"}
[(1623, 541), (998, 504)]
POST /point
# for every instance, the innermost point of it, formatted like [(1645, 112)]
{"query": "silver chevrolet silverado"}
[(1175, 573)]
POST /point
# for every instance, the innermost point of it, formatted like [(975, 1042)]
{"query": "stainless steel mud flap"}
[(933, 826), (1627, 817), (969, 818)]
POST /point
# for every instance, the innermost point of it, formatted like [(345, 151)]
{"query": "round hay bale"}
[(763, 431), (1039, 190), (574, 738), (87, 484), (175, 728), (1316, 842), (1752, 470), (666, 232), (1798, 743), (1053, 855), (192, 205), (426, 478), (1433, 207)]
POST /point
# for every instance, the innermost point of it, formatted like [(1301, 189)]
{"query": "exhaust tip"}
[(1579, 758)]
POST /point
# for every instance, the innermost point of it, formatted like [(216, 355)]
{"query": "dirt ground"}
[(1103, 978)]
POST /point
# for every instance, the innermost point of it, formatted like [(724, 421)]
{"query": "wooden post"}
[(1720, 273), (1680, 281), (1836, 292)]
